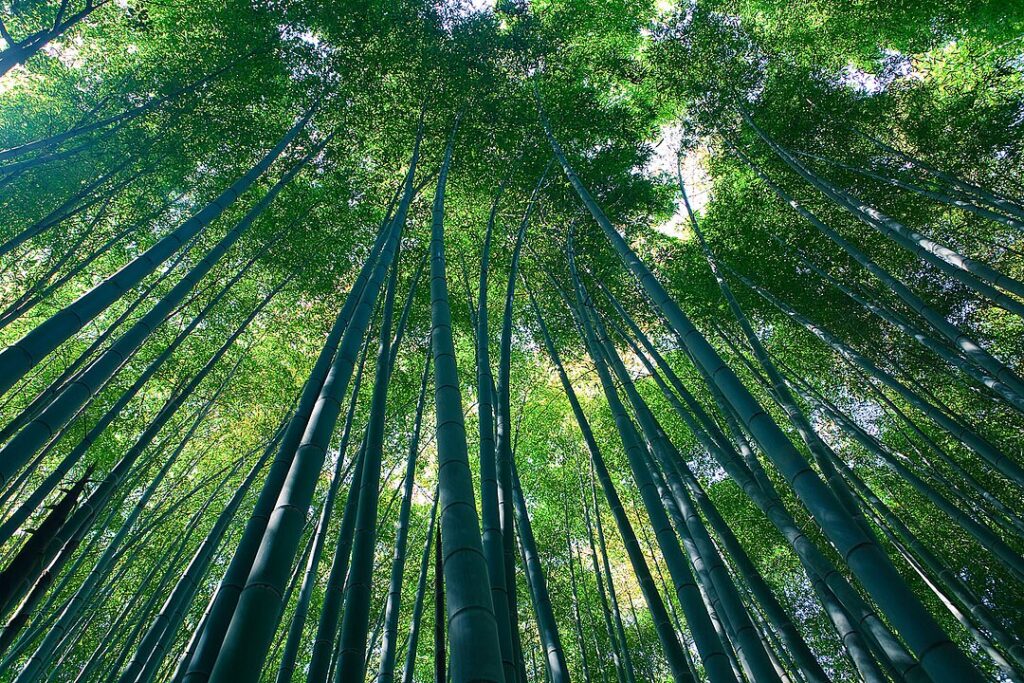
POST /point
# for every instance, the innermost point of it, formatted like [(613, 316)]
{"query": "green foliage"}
[(624, 83)]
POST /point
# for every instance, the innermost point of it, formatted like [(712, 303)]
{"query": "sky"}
[(698, 183)]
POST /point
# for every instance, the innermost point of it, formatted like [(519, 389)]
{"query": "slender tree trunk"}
[(1005, 518), (25, 568), (808, 435), (242, 654), (386, 671), (330, 612), (546, 624), (721, 618), (32, 502), (334, 591), (577, 622), (750, 652), (44, 615), (777, 616), (21, 618), (41, 292), (327, 382), (352, 646), (111, 639), (150, 653), (644, 650), (226, 597), (417, 609), (149, 609), (763, 494), (440, 653), (176, 607), (286, 668), (190, 647), (353, 651), (73, 370), (945, 583), (504, 424), (665, 587), (298, 572), (472, 627), (120, 472), (620, 646), (985, 537), (99, 497)]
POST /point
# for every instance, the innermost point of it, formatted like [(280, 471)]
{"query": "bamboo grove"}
[(404, 341)]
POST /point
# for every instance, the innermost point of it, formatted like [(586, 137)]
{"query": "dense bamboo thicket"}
[(511, 341)]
